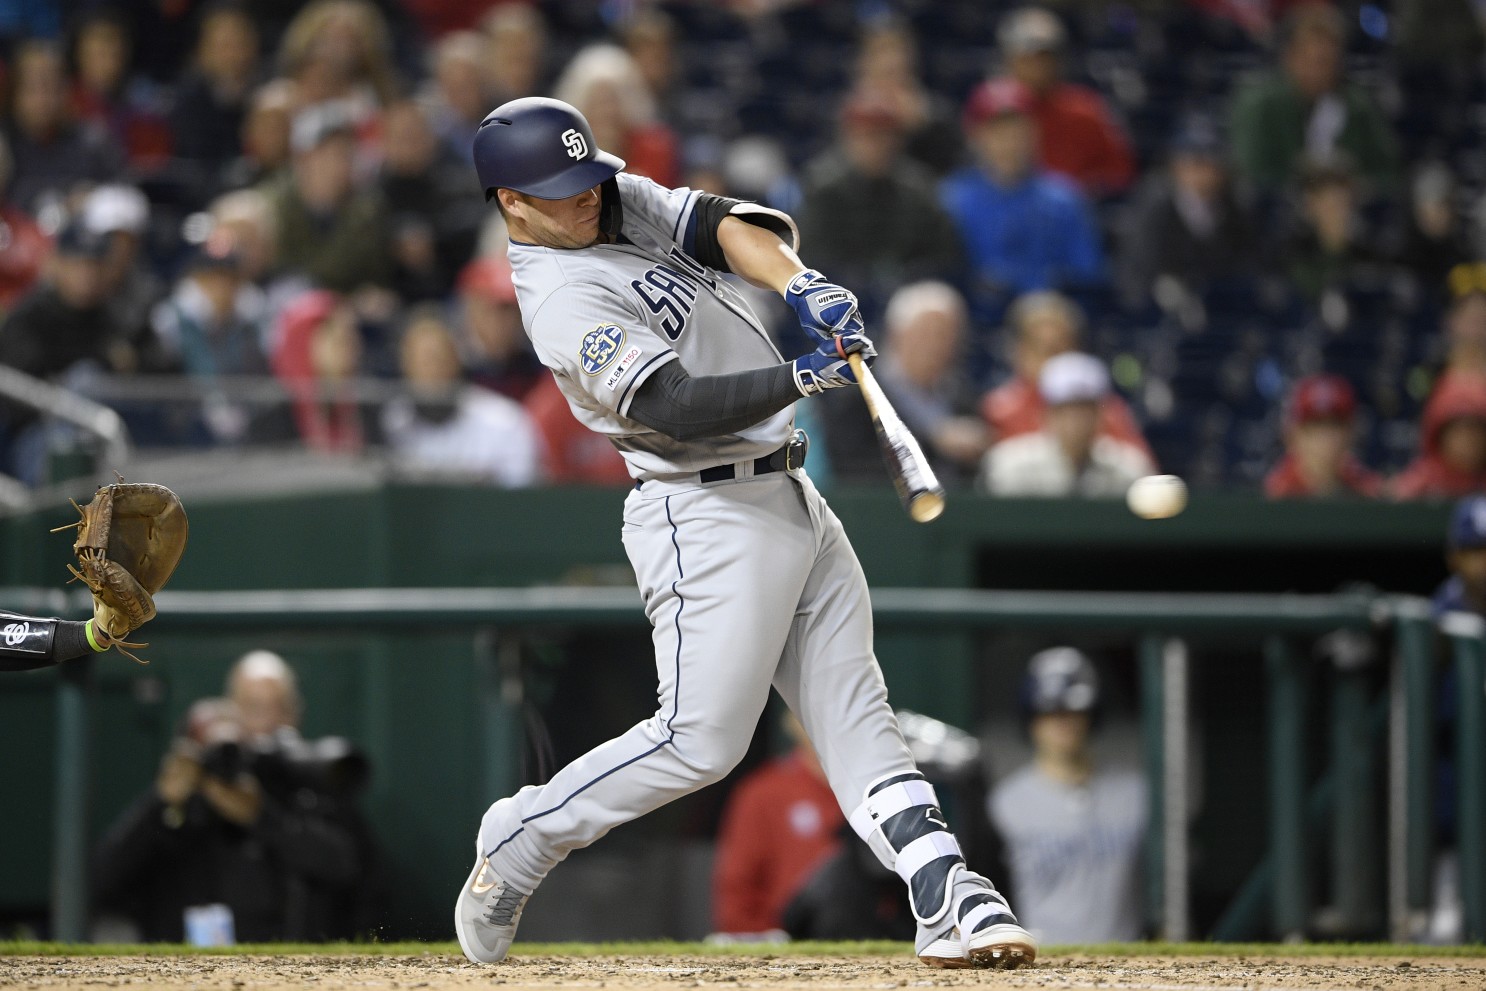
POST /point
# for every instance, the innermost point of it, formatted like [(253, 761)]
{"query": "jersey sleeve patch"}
[(631, 356), (599, 348)]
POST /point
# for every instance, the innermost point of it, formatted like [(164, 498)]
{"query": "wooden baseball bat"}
[(918, 488)]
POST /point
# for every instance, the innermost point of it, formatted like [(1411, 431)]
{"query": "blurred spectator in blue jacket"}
[(903, 234), (1187, 224), (1022, 228), (1307, 109)]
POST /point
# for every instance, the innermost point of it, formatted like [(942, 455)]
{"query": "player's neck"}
[(1068, 769)]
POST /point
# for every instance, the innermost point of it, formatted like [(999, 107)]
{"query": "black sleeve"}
[(29, 642), (687, 408), (708, 215)]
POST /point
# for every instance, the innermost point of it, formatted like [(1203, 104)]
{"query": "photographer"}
[(250, 833)]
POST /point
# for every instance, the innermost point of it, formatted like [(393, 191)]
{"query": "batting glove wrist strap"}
[(823, 308), (827, 368)]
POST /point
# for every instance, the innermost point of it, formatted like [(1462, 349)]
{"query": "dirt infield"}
[(436, 971)]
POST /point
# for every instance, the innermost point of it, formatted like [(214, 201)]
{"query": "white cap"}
[(116, 208), (1073, 377), (1030, 29)]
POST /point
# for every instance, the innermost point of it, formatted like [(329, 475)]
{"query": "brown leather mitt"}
[(129, 540)]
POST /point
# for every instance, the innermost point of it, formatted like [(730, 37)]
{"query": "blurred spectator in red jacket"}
[(1452, 442), (604, 82), (317, 356), (1046, 324), (494, 346), (1320, 429), (780, 822), (574, 454), (51, 153), (1079, 135), (24, 249), (107, 93)]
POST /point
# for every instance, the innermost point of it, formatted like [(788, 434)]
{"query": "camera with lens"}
[(287, 763)]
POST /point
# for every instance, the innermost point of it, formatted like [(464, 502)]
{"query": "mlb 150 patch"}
[(599, 347)]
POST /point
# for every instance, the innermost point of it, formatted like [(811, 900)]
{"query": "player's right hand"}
[(827, 368), (824, 308)]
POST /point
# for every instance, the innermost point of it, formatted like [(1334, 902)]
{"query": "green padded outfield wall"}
[(414, 700)]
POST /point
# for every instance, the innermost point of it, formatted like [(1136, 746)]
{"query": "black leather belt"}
[(791, 455)]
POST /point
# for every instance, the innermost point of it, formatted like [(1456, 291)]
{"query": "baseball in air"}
[(1157, 497)]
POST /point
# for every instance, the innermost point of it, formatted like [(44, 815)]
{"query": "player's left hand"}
[(827, 366), (824, 308)]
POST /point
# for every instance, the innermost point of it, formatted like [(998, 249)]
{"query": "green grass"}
[(802, 949)]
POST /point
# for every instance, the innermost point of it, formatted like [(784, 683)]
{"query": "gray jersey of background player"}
[(747, 576), (1073, 831), (30, 642)]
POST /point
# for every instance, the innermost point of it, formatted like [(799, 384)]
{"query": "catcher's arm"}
[(30, 642)]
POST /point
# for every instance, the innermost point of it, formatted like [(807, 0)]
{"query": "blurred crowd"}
[(1238, 241)]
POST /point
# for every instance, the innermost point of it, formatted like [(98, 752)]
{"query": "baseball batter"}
[(747, 576)]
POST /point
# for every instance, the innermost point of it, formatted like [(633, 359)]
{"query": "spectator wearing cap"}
[(872, 215), (435, 210), (1465, 554), (494, 345), (1452, 442), (1320, 429), (1073, 829), (922, 370), (214, 323), (1078, 136), (1331, 248), (52, 154), (1186, 223), (1022, 228), (1044, 324), (212, 98), (331, 232), (121, 215), (1307, 109), (60, 329), (1068, 456), (447, 429)]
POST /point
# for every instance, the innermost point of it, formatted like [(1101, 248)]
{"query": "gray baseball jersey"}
[(749, 581), (604, 318), (1074, 853)]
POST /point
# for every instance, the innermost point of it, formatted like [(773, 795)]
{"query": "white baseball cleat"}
[(1003, 944), (487, 913), (980, 931), (942, 949)]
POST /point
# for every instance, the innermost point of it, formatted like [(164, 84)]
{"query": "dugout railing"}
[(1161, 624)]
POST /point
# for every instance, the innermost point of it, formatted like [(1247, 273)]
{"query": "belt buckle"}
[(796, 450)]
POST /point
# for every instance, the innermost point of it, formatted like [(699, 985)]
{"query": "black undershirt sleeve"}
[(709, 214), (687, 408)]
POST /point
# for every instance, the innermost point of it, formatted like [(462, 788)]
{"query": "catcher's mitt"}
[(129, 540)]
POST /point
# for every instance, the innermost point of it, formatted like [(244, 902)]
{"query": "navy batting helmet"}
[(540, 147), (1059, 679)]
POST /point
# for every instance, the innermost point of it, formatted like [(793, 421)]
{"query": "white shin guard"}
[(900, 820)]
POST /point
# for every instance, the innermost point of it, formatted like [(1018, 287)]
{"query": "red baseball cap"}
[(488, 277), (996, 98), (1322, 397)]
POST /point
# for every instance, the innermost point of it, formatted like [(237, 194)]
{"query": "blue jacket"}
[(1036, 235)]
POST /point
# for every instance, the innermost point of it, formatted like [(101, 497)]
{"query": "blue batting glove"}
[(824, 308), (827, 368)]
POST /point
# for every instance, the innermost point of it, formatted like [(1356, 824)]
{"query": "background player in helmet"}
[(1073, 831), (747, 576)]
